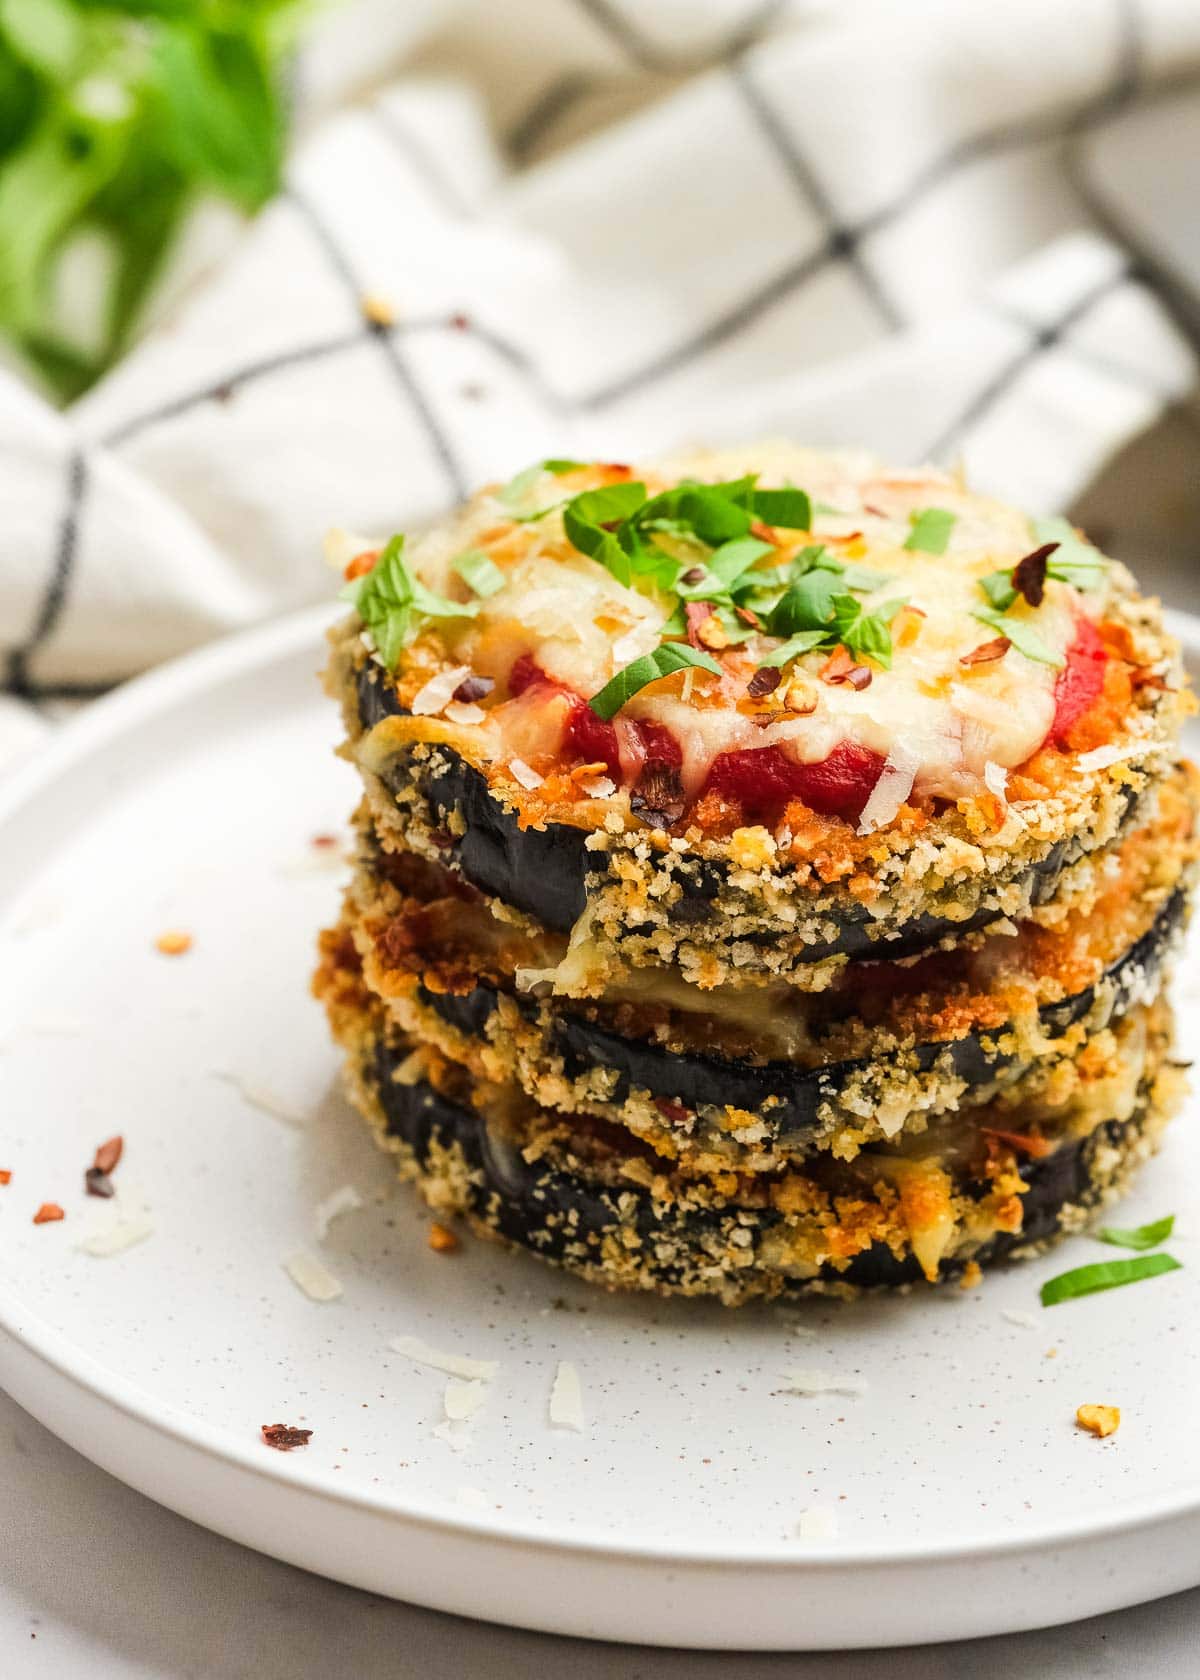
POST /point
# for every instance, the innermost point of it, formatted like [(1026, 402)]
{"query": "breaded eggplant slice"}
[(833, 774), (588, 1199), (747, 1075)]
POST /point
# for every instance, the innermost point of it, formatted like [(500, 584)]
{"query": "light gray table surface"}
[(99, 1583)]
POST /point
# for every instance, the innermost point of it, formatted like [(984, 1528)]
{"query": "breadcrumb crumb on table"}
[(173, 943), (48, 1214), (442, 1240), (1099, 1420), (379, 311)]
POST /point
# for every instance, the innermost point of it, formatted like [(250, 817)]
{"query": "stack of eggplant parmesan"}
[(767, 873)]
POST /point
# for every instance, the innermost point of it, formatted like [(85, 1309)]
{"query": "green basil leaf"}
[(869, 635), (804, 641), (560, 466), (790, 509), (666, 658), (586, 515), (1140, 1236), (808, 604), (728, 562), (1076, 562), (1105, 1274), (479, 571), (711, 511), (998, 587), (520, 484), (394, 604), (1021, 634), (864, 578), (813, 558), (829, 511), (931, 528)]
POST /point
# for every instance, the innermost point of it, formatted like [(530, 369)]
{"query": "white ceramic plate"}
[(966, 1501)]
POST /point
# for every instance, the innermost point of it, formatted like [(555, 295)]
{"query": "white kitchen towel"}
[(603, 226)]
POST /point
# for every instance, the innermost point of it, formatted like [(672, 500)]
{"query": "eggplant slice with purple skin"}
[(790, 1100), (555, 1214), (549, 873)]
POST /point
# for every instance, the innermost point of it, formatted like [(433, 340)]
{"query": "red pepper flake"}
[(658, 797), (5, 1175), (283, 1437), (108, 1154), (474, 688), (324, 842), (675, 1112), (48, 1213), (697, 614), (838, 666), (986, 652), (693, 575), (764, 533), (1029, 574), (1141, 676), (764, 681), (460, 322), (361, 564), (748, 617), (1025, 1143), (859, 677), (98, 1183)]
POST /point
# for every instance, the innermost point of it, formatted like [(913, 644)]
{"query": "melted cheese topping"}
[(580, 625)]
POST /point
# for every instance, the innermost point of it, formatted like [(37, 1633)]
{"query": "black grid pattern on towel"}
[(841, 242), (54, 593)]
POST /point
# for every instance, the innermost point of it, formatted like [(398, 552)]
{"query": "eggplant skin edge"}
[(787, 1100), (552, 1213), (549, 872)]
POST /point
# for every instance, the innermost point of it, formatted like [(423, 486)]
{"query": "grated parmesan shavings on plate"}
[(309, 1275), (115, 1237), (1023, 1320), (598, 787), (810, 1383), (566, 1397), (451, 1364), (345, 1199), (463, 1397), (258, 1096), (817, 1523)]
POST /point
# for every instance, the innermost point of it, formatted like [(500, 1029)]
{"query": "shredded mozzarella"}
[(893, 787)]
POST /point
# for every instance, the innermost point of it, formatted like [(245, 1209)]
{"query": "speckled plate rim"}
[(35, 1343)]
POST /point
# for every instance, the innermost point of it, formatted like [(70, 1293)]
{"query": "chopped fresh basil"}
[(998, 587), (1072, 561), (394, 604), (790, 509), (808, 604), (665, 659), (804, 641), (828, 511), (864, 578), (1021, 634), (931, 528), (558, 467), (478, 571), (716, 513), (518, 487), (1075, 562), (728, 562), (587, 516), (1141, 1236), (1105, 1274), (866, 635)]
